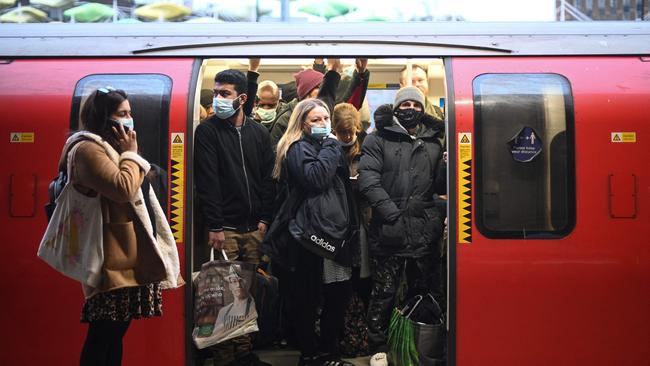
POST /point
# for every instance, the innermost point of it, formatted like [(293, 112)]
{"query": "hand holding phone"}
[(126, 139)]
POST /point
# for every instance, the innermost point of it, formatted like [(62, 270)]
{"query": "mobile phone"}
[(118, 124)]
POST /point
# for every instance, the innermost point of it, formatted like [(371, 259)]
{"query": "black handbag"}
[(322, 222), (430, 331)]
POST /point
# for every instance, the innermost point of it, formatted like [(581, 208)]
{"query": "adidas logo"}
[(322, 243)]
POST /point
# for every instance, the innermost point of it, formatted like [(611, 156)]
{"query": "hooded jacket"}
[(233, 174), (398, 175)]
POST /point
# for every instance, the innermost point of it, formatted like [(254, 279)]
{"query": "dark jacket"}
[(233, 174), (310, 168), (399, 175)]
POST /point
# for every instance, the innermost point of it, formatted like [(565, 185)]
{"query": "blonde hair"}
[(346, 117), (294, 130), (268, 85)]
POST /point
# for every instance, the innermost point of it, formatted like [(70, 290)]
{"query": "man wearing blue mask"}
[(233, 161)]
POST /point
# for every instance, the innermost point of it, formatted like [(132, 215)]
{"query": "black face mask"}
[(409, 118)]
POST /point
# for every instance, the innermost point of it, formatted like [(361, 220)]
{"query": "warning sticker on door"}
[(623, 136), (18, 137), (465, 187)]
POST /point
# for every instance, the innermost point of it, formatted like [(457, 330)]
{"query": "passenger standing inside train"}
[(308, 160), (313, 84), (399, 173), (206, 104), (134, 271), (268, 104), (233, 163), (420, 80), (346, 125)]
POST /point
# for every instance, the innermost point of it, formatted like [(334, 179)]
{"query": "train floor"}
[(289, 357)]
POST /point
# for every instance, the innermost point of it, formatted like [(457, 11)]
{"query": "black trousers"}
[(335, 299), (387, 276), (103, 345)]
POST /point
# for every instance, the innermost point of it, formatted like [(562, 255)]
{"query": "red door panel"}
[(582, 299), (41, 308)]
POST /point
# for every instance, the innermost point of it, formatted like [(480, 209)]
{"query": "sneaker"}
[(331, 360), (379, 359)]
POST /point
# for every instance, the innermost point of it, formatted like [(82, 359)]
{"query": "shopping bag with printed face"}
[(224, 308), (73, 241)]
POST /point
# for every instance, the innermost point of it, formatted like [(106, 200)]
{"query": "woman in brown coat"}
[(140, 255)]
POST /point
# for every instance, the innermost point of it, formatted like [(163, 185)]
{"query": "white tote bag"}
[(73, 241)]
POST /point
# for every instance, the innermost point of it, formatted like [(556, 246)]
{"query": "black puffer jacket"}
[(399, 175)]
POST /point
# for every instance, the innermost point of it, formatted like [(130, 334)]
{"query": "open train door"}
[(40, 100), (549, 241)]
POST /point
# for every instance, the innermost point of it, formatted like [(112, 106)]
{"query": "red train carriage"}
[(549, 186)]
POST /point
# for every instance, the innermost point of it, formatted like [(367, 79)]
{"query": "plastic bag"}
[(224, 306)]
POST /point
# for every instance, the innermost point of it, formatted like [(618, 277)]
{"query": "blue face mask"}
[(224, 108), (320, 133), (126, 122)]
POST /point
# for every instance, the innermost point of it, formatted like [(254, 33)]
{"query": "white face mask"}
[(266, 115), (346, 144)]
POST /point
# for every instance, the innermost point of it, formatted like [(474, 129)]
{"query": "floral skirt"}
[(124, 304)]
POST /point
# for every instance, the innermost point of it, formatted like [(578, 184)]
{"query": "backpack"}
[(56, 185)]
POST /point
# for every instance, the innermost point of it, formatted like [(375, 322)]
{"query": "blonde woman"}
[(309, 158)]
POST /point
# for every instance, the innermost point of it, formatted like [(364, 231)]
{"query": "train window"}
[(149, 96), (525, 175)]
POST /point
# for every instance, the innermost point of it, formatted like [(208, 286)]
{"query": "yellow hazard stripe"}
[(177, 185), (464, 188)]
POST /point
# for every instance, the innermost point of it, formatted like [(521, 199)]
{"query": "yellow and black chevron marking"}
[(177, 184), (464, 188)]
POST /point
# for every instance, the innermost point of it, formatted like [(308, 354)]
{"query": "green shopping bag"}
[(417, 333), (401, 340)]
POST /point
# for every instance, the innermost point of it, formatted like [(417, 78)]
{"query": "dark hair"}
[(234, 77), (97, 109)]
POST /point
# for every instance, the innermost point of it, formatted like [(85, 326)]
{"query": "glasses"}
[(106, 89)]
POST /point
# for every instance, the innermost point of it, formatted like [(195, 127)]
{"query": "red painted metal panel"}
[(622, 195), (582, 299), (22, 197), (41, 308)]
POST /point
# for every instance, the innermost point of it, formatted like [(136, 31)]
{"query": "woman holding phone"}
[(135, 268)]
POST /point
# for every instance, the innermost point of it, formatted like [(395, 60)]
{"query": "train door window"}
[(149, 96), (525, 171)]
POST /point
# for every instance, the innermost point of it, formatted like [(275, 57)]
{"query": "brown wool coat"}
[(131, 256)]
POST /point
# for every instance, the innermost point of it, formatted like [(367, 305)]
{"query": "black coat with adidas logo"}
[(309, 169)]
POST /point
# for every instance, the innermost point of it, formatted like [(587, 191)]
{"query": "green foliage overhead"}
[(90, 13), (327, 8)]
